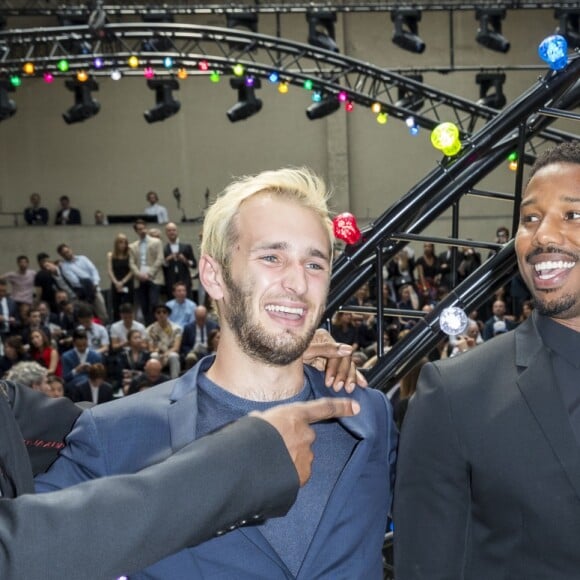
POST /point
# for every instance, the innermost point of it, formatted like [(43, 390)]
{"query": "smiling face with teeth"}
[(548, 241), (277, 280)]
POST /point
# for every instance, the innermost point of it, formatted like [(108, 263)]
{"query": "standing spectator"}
[(121, 275), (94, 389), (8, 311), (77, 361), (154, 208), (43, 353), (67, 215), (146, 261), (164, 340), (428, 272), (469, 261), (120, 330), (21, 281), (343, 329), (182, 308), (49, 280), (34, 214), (82, 275), (179, 261)]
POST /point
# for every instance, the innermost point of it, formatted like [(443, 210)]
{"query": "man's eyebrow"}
[(566, 198), (313, 252)]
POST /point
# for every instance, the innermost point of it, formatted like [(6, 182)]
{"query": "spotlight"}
[(487, 81), (489, 31), (247, 20), (409, 98), (166, 106), (7, 105), (405, 34), (85, 106), (248, 104), (73, 45), (569, 26), (321, 30), (328, 105)]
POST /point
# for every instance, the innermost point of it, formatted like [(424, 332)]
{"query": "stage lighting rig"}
[(489, 33), (85, 106), (408, 98), (326, 106), (165, 105), (248, 104), (405, 35), (321, 30), (486, 82), (569, 25), (7, 105)]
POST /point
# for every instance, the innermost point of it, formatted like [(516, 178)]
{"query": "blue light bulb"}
[(553, 50), (274, 77)]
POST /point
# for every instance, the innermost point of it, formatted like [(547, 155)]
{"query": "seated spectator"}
[(164, 340), (34, 323), (44, 353), (56, 387), (195, 336), (101, 218), (35, 214), (213, 339), (67, 215), (150, 377), (96, 333), (182, 308), (31, 374), (94, 389), (14, 352), (499, 322), (466, 341), (343, 330), (133, 358), (120, 330), (77, 361), (8, 311), (408, 300), (428, 272)]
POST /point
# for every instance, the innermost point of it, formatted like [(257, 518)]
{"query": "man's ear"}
[(210, 275)]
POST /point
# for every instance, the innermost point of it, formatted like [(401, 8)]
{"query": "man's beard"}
[(554, 308), (277, 350)]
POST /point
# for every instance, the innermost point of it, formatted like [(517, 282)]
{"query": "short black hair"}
[(125, 308), (42, 256), (562, 153)]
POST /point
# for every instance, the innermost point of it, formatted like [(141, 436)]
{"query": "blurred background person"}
[(42, 351), (35, 214), (120, 274)]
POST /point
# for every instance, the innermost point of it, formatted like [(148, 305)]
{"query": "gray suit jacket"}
[(488, 478), (131, 521)]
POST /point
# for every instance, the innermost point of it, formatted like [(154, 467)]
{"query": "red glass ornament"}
[(346, 228)]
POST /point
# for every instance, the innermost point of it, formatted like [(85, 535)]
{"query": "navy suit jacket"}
[(188, 336), (82, 392), (74, 217), (157, 422)]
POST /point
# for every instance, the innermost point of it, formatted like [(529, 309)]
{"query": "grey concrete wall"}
[(112, 160)]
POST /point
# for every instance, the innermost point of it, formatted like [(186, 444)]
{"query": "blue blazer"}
[(70, 360), (131, 433)]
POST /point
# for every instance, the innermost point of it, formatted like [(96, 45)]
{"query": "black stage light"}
[(328, 105), (248, 104), (85, 106), (157, 43), (489, 31), (406, 30), (486, 82), (408, 98), (7, 105), (165, 105), (569, 25), (321, 30)]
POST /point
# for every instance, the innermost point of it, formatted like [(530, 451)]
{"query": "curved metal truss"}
[(522, 126), (222, 48)]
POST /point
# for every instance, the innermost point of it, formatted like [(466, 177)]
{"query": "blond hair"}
[(301, 185)]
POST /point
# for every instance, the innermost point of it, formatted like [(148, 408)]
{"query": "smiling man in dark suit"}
[(488, 478)]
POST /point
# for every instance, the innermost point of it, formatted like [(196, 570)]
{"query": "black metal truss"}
[(185, 7), (221, 48)]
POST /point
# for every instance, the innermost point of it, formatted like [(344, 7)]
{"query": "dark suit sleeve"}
[(132, 521), (432, 487)]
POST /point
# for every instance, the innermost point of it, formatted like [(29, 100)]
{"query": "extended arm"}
[(432, 491)]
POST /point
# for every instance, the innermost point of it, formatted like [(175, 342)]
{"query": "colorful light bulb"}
[(133, 61), (182, 73), (308, 84), (342, 97), (48, 77), (168, 62), (376, 108), (553, 51), (203, 65), (215, 77), (148, 72), (28, 68), (382, 118), (62, 65), (238, 70), (283, 88), (273, 77)]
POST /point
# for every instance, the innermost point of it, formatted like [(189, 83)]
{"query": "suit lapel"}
[(538, 387)]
